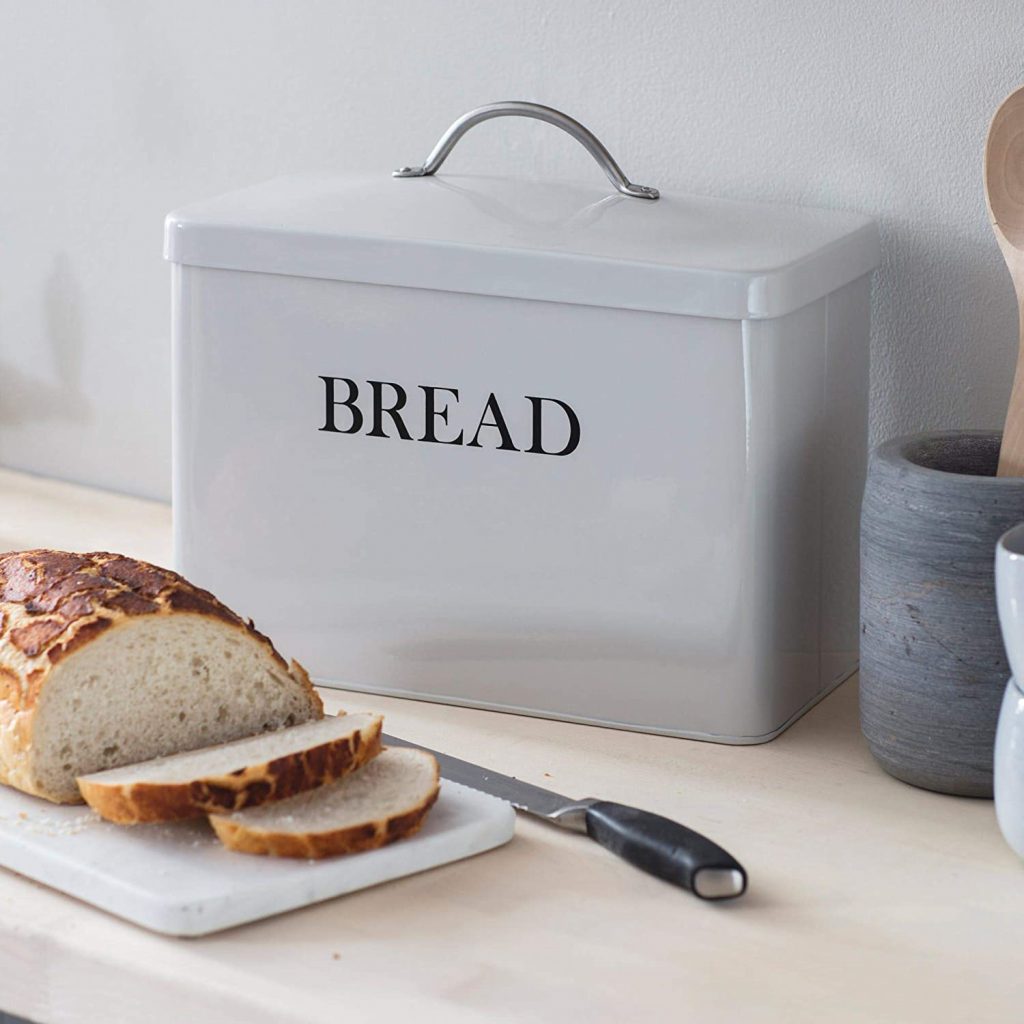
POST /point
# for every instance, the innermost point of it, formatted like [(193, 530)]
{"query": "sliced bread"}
[(231, 776), (387, 799), (107, 661)]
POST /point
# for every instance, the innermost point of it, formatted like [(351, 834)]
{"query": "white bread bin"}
[(540, 447)]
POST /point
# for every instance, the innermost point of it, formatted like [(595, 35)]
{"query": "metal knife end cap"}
[(719, 883)]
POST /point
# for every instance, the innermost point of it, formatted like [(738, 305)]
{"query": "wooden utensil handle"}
[(1011, 451)]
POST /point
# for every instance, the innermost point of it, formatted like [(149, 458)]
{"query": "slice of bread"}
[(107, 661), (244, 773), (384, 801)]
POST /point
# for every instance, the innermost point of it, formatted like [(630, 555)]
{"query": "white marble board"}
[(178, 879)]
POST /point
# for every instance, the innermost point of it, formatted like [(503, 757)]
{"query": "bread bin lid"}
[(552, 241)]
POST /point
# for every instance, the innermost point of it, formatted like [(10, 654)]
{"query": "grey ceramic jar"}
[(932, 665)]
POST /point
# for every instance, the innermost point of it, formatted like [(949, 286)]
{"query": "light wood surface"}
[(1004, 195), (870, 901)]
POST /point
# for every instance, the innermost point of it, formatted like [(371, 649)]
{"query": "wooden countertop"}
[(870, 901)]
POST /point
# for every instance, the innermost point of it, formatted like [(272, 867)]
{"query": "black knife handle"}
[(666, 849)]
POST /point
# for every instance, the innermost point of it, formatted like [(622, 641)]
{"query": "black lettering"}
[(379, 409), (431, 412), (349, 403), (436, 409), (497, 423), (537, 448)]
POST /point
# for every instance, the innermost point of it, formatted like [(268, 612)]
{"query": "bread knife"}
[(648, 841)]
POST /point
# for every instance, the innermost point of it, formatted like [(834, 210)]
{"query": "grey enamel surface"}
[(933, 668)]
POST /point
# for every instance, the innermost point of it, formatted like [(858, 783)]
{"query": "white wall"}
[(113, 113)]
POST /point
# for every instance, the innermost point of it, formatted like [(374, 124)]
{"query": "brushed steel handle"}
[(513, 108)]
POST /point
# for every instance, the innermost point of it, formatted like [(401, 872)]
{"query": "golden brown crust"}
[(53, 602), (316, 845), (133, 804), (48, 597)]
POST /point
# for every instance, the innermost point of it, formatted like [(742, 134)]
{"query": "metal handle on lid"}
[(513, 108)]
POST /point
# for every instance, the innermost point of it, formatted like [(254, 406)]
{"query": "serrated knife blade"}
[(654, 844)]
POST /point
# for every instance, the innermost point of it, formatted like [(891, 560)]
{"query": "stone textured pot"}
[(932, 664)]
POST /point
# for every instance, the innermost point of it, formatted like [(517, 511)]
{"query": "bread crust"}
[(369, 835), (145, 802), (54, 602)]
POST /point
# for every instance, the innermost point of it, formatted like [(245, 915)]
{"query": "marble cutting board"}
[(178, 879)]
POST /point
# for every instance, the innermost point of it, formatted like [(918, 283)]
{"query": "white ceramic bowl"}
[(1009, 751), (1009, 767)]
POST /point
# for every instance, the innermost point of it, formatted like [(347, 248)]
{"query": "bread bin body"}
[(467, 440)]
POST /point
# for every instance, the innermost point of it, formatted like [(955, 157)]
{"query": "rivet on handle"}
[(513, 108)]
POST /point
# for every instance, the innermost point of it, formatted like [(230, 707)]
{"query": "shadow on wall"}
[(945, 331), (25, 396)]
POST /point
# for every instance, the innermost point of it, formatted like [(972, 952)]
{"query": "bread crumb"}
[(56, 824), (335, 956), (547, 775)]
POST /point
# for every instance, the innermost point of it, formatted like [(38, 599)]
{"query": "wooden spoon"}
[(1004, 194)]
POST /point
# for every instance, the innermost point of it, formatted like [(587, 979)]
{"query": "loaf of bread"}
[(235, 775), (107, 661), (385, 801)]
